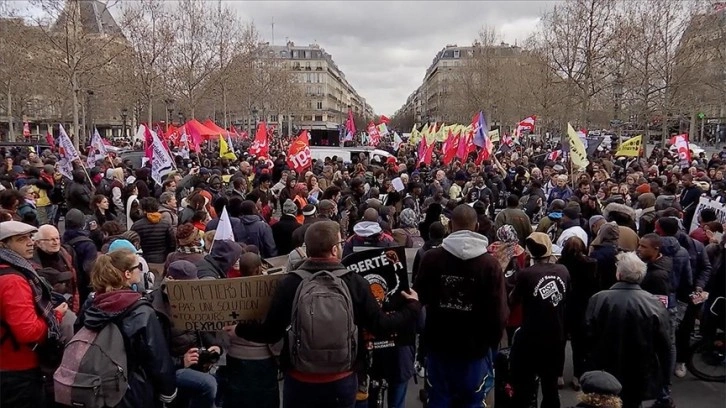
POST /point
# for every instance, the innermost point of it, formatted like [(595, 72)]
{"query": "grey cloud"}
[(384, 47)]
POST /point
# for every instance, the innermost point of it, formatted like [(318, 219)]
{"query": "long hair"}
[(108, 271)]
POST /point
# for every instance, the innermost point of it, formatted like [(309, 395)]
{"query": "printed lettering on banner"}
[(161, 161), (210, 305)]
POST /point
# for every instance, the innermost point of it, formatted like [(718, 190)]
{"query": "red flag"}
[(259, 146), (450, 147), (424, 152), (148, 142), (298, 156), (374, 137), (349, 127), (462, 150), (385, 119), (49, 138)]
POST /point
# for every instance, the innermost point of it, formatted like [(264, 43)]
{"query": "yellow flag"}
[(224, 151), (578, 154), (631, 147), (415, 136)]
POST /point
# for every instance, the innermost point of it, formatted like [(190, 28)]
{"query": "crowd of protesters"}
[(519, 250)]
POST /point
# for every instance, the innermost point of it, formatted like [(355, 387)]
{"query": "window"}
[(294, 53), (318, 118), (309, 89), (444, 63), (307, 66), (319, 89), (319, 105), (273, 118), (456, 53), (306, 54), (307, 78), (319, 66), (283, 54), (320, 78)]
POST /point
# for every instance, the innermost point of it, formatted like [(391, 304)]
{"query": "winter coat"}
[(627, 333), (79, 196), (157, 237), (516, 218), (282, 233), (84, 256), (257, 232), (657, 278), (584, 279), (681, 275), (700, 264), (151, 371)]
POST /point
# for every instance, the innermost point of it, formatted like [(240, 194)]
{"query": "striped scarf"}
[(41, 289), (190, 249)]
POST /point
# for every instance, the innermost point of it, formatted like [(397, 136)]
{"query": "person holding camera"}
[(194, 352)]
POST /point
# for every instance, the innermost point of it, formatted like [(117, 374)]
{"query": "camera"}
[(206, 360)]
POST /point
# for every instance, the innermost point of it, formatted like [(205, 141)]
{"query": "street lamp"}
[(181, 118), (124, 115), (254, 116), (169, 111)]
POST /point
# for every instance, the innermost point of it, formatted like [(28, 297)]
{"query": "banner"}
[(224, 149), (387, 275), (578, 155), (66, 147), (298, 156), (211, 304), (631, 147), (684, 151), (161, 161), (705, 202), (97, 149), (259, 146), (374, 137)]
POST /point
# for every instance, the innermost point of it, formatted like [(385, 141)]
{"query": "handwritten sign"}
[(705, 202), (387, 275), (212, 304)]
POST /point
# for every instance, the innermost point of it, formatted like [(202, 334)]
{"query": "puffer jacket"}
[(681, 274), (152, 376), (257, 232), (216, 264), (157, 237)]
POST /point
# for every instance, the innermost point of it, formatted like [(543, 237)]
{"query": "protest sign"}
[(705, 202), (212, 304), (387, 275)]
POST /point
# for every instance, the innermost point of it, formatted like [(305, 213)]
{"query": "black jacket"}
[(656, 280), (79, 196), (627, 332), (366, 312), (157, 238), (282, 233), (152, 375)]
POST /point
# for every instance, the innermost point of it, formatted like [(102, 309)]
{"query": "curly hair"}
[(600, 401)]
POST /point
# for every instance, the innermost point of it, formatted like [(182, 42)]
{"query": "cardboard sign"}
[(386, 272), (705, 202), (210, 305)]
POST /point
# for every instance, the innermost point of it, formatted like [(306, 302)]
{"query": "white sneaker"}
[(680, 370)]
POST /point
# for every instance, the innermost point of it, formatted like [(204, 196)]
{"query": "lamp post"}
[(169, 111), (254, 112), (124, 115)]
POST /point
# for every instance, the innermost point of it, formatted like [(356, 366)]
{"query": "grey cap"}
[(14, 228), (600, 382)]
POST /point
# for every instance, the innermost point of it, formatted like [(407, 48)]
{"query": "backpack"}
[(417, 241), (94, 370), (327, 341), (70, 247)]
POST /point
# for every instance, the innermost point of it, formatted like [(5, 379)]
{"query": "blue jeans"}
[(197, 387), (676, 316), (397, 395), (464, 381), (336, 394)]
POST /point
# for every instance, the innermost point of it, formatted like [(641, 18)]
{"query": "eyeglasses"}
[(139, 267), (49, 239)]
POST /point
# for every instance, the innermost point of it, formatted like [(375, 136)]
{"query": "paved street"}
[(688, 392)]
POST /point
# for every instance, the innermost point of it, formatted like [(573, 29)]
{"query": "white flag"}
[(397, 141), (65, 168), (161, 161), (224, 228), (65, 146), (97, 149), (140, 133)]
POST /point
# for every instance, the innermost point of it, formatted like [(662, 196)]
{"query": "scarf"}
[(41, 290), (190, 249)]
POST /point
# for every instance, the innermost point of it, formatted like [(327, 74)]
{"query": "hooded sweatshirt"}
[(463, 290), (367, 234), (151, 370), (216, 264), (255, 231)]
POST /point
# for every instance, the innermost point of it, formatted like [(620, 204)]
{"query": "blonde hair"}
[(208, 239), (600, 401), (108, 271)]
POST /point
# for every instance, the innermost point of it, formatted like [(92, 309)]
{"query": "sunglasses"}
[(139, 267)]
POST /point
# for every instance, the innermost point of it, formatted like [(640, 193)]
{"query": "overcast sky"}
[(384, 47)]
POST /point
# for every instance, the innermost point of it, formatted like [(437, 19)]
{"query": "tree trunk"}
[(11, 124), (74, 88), (149, 111)]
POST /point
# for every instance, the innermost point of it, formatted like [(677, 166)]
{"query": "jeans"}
[(197, 387), (685, 329), (336, 394), (397, 395), (251, 383), (527, 363), (22, 389), (463, 381), (676, 316)]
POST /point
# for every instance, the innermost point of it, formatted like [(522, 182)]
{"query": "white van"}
[(347, 153)]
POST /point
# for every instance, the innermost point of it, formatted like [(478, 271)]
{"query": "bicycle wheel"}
[(707, 360)]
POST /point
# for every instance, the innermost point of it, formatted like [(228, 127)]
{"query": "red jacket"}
[(17, 311)]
